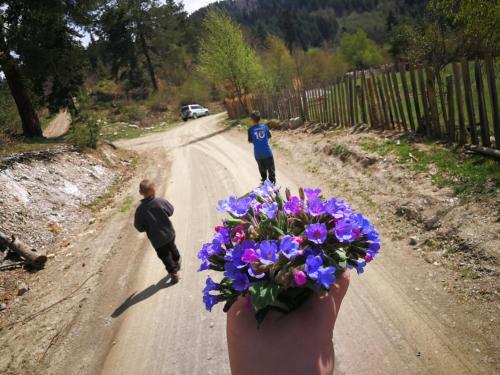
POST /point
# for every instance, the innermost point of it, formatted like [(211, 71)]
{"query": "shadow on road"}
[(196, 140), (141, 296)]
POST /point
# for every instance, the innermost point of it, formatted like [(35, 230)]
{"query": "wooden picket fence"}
[(455, 105)]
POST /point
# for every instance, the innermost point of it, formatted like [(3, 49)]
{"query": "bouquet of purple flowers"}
[(280, 251)]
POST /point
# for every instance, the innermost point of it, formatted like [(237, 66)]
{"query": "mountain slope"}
[(311, 23)]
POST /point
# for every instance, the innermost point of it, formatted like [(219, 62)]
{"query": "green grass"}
[(126, 204), (112, 132), (28, 145), (468, 176)]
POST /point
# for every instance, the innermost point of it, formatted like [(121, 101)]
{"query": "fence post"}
[(382, 105), (372, 103), (364, 98), (437, 78), (387, 95), (490, 72), (414, 89), (425, 102), (468, 102), (451, 109), (402, 73), (398, 98), (392, 97), (462, 138), (431, 97), (483, 117)]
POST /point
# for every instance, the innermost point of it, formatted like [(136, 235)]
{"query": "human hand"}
[(295, 343)]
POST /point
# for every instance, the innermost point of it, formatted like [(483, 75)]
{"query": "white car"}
[(193, 111)]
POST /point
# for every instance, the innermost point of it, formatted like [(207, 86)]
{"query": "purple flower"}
[(337, 208), (326, 276), (267, 252), (241, 282), (235, 206), (266, 190), (299, 277), (269, 209), (312, 266), (289, 247), (292, 207), (316, 207), (312, 194), (344, 230), (249, 256), (223, 235), (316, 233), (209, 249), (231, 271), (209, 299), (360, 266), (254, 274), (210, 286)]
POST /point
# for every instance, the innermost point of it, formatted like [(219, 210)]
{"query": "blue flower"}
[(293, 206), (254, 274), (313, 263), (209, 299), (235, 206), (289, 247), (223, 235), (269, 209), (316, 233), (326, 276), (241, 282), (344, 230), (316, 207), (266, 190), (312, 194), (268, 252), (231, 271)]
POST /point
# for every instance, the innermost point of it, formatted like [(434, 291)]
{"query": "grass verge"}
[(470, 176)]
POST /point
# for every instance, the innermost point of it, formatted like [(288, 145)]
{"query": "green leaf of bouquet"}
[(234, 222), (263, 294), (278, 230)]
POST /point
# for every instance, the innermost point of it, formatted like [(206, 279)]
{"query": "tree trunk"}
[(29, 117), (149, 64), (30, 255)]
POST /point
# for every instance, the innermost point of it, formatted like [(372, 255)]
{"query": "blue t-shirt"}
[(259, 135)]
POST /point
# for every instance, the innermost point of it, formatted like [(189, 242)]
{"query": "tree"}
[(318, 66), (477, 20), (278, 64), (360, 51), (29, 117), (225, 57), (40, 55), (141, 34)]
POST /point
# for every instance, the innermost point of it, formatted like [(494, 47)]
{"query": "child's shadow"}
[(141, 296)]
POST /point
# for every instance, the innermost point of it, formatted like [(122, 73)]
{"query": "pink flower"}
[(299, 240), (249, 256), (368, 258), (238, 237), (219, 228), (299, 277)]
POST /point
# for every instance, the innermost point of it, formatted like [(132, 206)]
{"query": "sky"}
[(192, 5)]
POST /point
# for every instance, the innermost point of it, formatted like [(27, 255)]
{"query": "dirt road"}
[(385, 327), (58, 126)]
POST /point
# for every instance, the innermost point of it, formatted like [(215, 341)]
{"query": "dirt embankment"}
[(46, 198), (460, 235)]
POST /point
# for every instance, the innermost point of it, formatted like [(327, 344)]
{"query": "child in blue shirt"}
[(259, 135)]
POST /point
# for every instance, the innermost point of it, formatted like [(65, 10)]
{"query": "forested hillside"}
[(308, 24)]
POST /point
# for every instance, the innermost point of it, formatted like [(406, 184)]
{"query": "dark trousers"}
[(170, 256), (266, 169)]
